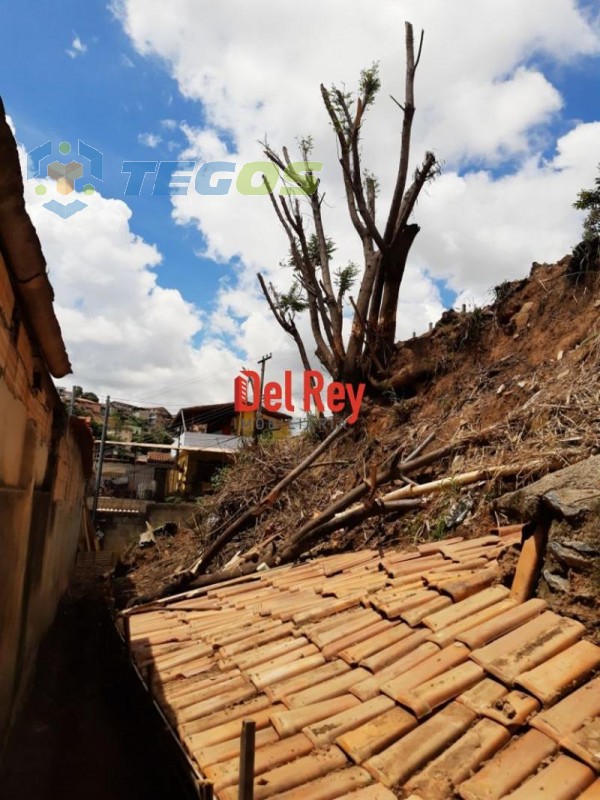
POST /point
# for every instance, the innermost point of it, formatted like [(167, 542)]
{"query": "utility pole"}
[(72, 403), (100, 460), (262, 361)]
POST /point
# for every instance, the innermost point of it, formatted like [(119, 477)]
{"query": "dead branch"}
[(249, 516)]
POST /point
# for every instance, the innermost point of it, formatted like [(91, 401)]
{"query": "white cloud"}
[(125, 334), (77, 48), (149, 139), (480, 100)]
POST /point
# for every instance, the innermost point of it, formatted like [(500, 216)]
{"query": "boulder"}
[(572, 494)]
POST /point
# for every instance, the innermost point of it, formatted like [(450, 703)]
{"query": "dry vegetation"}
[(524, 370)]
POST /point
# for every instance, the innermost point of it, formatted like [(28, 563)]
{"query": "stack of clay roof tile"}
[(412, 675)]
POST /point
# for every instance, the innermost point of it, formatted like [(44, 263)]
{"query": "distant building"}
[(207, 438), (158, 418)]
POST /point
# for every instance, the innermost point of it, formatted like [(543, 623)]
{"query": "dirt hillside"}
[(524, 369)]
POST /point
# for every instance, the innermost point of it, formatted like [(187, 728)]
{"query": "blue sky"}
[(77, 70), (107, 96)]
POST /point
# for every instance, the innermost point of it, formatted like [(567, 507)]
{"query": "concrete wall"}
[(122, 530), (42, 487)]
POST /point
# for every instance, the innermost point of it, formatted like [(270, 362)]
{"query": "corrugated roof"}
[(411, 675)]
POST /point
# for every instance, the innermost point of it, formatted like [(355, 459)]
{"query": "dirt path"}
[(87, 732)]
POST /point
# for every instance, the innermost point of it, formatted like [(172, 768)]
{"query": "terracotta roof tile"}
[(507, 771), (414, 750), (289, 721), (374, 736), (571, 713), (562, 673), (585, 743), (437, 664), (442, 700), (563, 779), (528, 646), (593, 793), (373, 792), (329, 786), (506, 622), (329, 729), (439, 779)]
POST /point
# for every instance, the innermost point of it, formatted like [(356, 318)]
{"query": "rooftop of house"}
[(409, 674), (214, 414)]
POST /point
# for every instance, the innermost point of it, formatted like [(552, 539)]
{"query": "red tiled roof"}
[(157, 455), (411, 675)]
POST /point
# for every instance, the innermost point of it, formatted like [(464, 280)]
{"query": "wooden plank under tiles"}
[(431, 694), (441, 776), (292, 775), (327, 730), (266, 758), (562, 673), (447, 635), (435, 665), (502, 624), (330, 786), (371, 686), (306, 680), (528, 646), (563, 779), (585, 743), (323, 691), (289, 721), (510, 768), (414, 750), (569, 714)]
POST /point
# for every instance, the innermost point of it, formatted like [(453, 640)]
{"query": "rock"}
[(568, 557), (571, 493), (520, 320), (555, 582), (583, 547)]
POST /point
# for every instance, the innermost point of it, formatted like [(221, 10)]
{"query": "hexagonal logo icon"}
[(65, 174)]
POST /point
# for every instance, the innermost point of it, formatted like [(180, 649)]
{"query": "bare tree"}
[(367, 351)]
